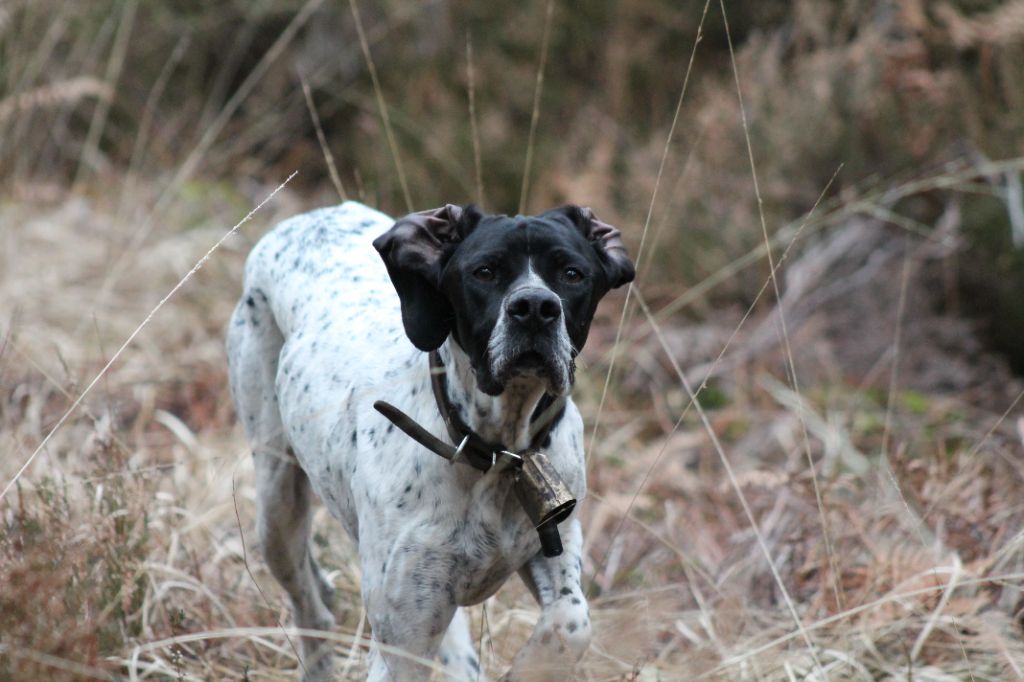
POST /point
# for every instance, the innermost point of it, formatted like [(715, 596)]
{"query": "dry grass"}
[(122, 551), (127, 549)]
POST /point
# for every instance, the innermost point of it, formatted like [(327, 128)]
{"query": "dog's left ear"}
[(607, 241), (413, 251)]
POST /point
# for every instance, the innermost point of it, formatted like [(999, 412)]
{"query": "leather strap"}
[(417, 432), (548, 410), (478, 452), (472, 449), (543, 495)]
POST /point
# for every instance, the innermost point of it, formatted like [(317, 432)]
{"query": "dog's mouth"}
[(530, 363), (550, 368)]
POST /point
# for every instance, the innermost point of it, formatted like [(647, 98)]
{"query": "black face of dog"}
[(517, 294)]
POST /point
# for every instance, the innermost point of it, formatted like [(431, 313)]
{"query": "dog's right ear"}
[(414, 250)]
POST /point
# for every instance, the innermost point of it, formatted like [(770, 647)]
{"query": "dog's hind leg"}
[(283, 490), (283, 524)]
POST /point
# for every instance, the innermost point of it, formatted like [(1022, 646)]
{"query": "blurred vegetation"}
[(891, 90)]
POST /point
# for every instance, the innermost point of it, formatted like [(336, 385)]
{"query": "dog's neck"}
[(502, 418)]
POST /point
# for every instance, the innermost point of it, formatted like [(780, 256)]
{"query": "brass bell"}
[(544, 497)]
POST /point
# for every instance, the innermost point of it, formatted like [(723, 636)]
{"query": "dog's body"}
[(316, 338)]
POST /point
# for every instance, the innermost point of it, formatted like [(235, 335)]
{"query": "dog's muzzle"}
[(530, 339)]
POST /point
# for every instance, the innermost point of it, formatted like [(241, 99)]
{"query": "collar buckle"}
[(459, 450), (504, 459)]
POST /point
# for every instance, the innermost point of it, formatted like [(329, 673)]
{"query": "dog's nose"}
[(534, 308)]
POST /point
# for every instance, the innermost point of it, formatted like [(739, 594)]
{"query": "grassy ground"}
[(127, 545), (842, 502)]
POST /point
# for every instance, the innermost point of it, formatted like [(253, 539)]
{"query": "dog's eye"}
[(572, 275), (484, 274)]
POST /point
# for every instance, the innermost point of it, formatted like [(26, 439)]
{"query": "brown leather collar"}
[(471, 447), (480, 452), (545, 498)]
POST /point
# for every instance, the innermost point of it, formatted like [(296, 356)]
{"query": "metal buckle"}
[(505, 460), (458, 450)]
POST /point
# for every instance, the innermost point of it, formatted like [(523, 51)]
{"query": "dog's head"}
[(517, 294)]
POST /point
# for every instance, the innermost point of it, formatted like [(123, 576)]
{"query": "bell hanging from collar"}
[(544, 497)]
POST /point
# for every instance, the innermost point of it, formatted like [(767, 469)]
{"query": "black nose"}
[(534, 308)]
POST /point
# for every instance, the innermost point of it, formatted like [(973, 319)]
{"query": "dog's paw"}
[(318, 658)]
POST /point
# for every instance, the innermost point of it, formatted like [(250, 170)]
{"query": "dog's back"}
[(317, 279), (311, 262), (315, 335), (319, 271)]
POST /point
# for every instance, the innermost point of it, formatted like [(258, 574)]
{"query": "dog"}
[(325, 326)]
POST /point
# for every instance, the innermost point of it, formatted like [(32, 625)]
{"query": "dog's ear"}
[(607, 241), (414, 250)]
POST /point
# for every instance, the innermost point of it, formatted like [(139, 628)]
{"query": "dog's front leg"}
[(410, 601), (562, 634)]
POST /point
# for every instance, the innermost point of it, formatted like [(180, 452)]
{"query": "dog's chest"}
[(493, 547), (464, 543)]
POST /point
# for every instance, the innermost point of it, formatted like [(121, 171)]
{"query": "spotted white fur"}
[(315, 339)]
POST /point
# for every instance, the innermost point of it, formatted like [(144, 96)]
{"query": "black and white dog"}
[(319, 335)]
